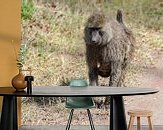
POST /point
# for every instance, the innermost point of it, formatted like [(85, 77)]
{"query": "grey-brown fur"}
[(109, 47)]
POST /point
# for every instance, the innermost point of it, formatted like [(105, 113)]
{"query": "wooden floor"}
[(158, 127)]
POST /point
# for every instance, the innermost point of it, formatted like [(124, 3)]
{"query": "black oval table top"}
[(66, 91), (117, 111)]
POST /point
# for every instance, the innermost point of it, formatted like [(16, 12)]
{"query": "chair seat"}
[(140, 113), (79, 102)]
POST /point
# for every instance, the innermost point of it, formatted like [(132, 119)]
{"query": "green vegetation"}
[(27, 9), (146, 13), (54, 32), (21, 56)]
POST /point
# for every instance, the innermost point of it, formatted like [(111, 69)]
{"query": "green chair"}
[(79, 103)]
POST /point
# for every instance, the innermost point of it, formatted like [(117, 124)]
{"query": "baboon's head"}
[(96, 30)]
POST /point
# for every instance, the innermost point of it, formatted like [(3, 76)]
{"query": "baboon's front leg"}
[(93, 79), (115, 76), (125, 66), (93, 76)]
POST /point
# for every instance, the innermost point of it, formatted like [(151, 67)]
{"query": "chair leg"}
[(138, 123), (150, 123), (131, 122), (70, 119), (90, 120)]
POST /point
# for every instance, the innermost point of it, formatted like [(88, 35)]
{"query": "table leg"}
[(117, 114), (9, 113)]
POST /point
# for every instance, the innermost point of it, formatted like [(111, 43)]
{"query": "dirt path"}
[(152, 77)]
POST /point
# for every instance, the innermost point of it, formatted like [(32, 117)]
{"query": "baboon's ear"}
[(119, 16)]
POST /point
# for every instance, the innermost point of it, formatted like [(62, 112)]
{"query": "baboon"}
[(109, 48)]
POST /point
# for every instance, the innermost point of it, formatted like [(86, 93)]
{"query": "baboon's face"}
[(98, 36), (95, 36)]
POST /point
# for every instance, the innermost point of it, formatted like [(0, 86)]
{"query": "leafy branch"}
[(21, 56)]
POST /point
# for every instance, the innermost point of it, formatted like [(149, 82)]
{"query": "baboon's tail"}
[(119, 16)]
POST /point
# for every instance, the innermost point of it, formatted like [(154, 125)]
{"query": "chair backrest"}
[(79, 102), (78, 83)]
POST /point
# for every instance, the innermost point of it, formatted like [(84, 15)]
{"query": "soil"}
[(152, 77)]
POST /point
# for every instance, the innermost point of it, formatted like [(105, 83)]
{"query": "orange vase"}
[(18, 82)]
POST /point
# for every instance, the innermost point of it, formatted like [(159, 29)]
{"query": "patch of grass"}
[(53, 34), (27, 9), (145, 12), (57, 50)]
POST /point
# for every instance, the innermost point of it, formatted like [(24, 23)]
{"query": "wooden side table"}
[(138, 114)]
